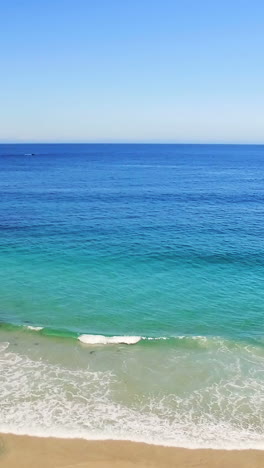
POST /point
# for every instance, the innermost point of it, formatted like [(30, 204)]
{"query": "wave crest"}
[(103, 340)]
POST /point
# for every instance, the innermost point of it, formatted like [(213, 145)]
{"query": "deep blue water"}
[(133, 239)]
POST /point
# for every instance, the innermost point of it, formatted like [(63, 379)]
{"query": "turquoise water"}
[(156, 245)]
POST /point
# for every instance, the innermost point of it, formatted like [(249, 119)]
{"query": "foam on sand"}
[(101, 400)]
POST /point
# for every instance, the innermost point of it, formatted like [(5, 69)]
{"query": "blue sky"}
[(135, 71)]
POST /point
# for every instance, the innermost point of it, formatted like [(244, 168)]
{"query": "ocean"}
[(131, 292)]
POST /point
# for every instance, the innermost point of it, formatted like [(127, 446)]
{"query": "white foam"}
[(103, 340), (50, 399), (30, 327), (4, 346), (201, 340)]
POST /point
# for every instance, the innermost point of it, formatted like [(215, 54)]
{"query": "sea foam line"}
[(94, 339)]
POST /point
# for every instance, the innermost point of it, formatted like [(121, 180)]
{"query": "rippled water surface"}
[(159, 250)]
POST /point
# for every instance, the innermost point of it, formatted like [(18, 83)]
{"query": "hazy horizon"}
[(179, 143)]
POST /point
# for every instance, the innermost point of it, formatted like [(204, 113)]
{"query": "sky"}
[(132, 71)]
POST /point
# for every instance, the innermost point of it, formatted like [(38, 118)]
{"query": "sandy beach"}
[(26, 452)]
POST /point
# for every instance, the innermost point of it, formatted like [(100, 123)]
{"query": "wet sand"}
[(27, 452)]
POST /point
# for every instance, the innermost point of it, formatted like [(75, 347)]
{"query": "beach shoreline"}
[(18, 451)]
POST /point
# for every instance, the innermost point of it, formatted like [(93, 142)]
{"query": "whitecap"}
[(101, 339)]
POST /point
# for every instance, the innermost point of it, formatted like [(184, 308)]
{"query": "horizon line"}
[(128, 143)]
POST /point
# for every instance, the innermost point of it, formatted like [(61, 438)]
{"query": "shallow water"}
[(161, 245)]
